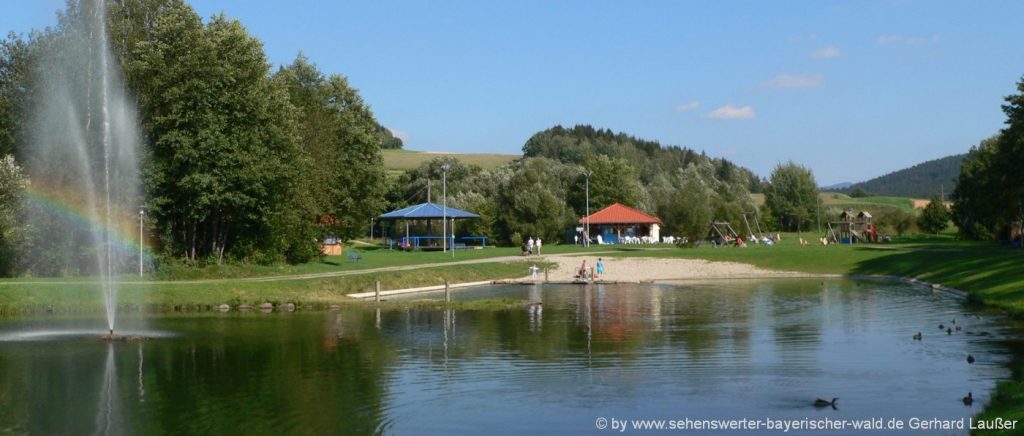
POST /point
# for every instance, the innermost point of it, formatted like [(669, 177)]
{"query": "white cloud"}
[(795, 81), (399, 134), (827, 52), (687, 106), (906, 40), (731, 112)]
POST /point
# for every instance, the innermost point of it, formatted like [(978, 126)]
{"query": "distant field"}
[(402, 160), (831, 199)]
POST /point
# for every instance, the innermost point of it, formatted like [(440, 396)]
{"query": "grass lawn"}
[(406, 160), (78, 296)]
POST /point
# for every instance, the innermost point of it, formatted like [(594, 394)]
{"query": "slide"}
[(856, 234)]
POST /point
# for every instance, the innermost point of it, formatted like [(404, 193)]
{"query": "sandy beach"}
[(636, 269)]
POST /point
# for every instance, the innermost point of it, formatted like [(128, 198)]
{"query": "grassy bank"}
[(84, 296), (989, 273)]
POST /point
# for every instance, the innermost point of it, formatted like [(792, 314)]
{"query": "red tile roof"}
[(619, 214)]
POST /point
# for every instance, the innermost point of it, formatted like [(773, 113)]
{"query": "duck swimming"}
[(825, 403), (918, 336), (970, 358), (969, 399)]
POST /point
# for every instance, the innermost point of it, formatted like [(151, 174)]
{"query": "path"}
[(309, 276)]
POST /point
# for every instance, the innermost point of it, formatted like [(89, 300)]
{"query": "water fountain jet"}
[(83, 156)]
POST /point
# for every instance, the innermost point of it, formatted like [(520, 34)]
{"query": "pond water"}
[(726, 350)]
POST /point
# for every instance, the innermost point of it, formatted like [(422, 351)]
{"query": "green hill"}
[(919, 181)]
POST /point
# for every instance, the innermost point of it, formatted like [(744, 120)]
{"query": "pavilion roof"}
[(620, 214), (426, 211)]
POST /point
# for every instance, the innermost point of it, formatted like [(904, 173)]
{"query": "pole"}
[(444, 210), (376, 292), (447, 292), (453, 237), (142, 213), (817, 209), (586, 238)]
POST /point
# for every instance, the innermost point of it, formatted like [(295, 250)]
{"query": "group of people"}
[(530, 245), (738, 241), (584, 273)]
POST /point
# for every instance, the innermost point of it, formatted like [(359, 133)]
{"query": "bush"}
[(934, 218), (893, 221)]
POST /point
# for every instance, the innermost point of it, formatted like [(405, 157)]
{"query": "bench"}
[(459, 245), (354, 256)]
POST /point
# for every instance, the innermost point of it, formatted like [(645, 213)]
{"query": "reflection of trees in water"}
[(274, 376), (795, 314)]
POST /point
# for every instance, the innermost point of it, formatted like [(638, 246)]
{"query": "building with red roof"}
[(616, 222)]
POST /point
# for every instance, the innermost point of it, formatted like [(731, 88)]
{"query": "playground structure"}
[(722, 233), (750, 230), (851, 229)]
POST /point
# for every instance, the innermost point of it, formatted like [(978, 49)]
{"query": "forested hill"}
[(920, 181), (650, 159)]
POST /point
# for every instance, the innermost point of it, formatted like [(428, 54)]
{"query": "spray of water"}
[(83, 150)]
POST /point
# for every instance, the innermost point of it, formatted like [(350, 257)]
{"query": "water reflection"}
[(571, 353), (108, 408)]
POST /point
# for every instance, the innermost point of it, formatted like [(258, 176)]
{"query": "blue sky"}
[(851, 89)]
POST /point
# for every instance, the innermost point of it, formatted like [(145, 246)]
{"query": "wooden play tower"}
[(851, 229)]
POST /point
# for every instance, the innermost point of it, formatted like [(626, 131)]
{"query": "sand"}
[(640, 269)]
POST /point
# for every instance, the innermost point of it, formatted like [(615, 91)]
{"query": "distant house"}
[(619, 223), (331, 246)]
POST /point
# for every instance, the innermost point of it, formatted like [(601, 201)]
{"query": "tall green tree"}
[(224, 160), (612, 180), (13, 184), (341, 141), (691, 210), (791, 195), (990, 190), (531, 202)]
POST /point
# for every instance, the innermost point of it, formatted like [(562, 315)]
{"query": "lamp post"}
[(444, 209), (142, 214), (586, 238)]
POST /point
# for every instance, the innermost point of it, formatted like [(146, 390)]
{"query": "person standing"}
[(529, 245), (600, 268), (538, 243)]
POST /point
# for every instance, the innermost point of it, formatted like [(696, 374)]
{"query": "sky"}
[(850, 89)]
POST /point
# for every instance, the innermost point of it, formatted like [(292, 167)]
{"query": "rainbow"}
[(62, 205)]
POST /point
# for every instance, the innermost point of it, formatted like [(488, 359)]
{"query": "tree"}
[(990, 190), (934, 218), (341, 142), (13, 184), (532, 201), (690, 212), (612, 180), (792, 196), (224, 161)]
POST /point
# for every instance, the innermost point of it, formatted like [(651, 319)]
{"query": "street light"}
[(586, 239), (142, 213), (444, 210)]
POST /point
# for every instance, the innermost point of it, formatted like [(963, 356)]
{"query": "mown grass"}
[(406, 159), (62, 297), (372, 257)]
